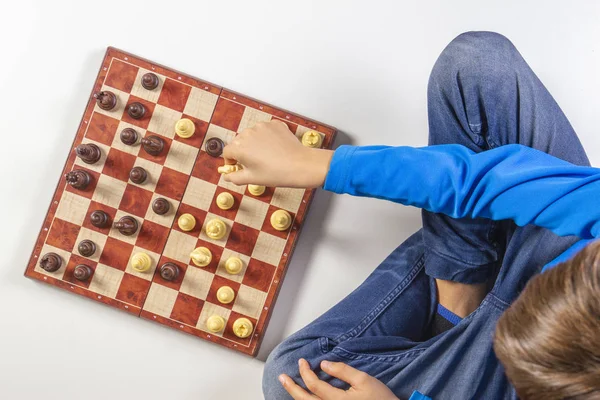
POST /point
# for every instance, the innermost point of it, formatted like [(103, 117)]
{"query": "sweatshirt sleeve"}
[(510, 182)]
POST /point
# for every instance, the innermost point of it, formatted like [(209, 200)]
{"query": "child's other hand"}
[(362, 385), (272, 156)]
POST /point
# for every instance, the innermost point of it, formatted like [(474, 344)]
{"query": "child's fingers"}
[(311, 380), (241, 177), (294, 390), (345, 373)]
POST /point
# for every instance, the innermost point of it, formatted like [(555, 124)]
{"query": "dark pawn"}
[(99, 219), (214, 147), (50, 262), (169, 271), (153, 145), (106, 100), (127, 225), (89, 153), (82, 272), (129, 136), (78, 179), (150, 81), (161, 206), (86, 248), (138, 175), (136, 110)]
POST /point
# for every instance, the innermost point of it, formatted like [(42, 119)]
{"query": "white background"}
[(360, 66)]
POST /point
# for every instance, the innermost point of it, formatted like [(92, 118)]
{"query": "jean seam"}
[(450, 258), (349, 355)]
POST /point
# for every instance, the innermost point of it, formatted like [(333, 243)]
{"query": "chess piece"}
[(215, 323), (106, 100), (129, 136), (186, 222), (153, 145), (234, 265), (99, 219), (88, 152), (127, 225), (50, 262), (78, 179), (242, 327), (150, 81), (138, 175), (141, 262), (82, 272), (216, 229), (185, 128), (256, 190), (225, 200), (281, 220), (225, 294), (312, 139), (161, 206), (201, 256), (214, 146), (136, 110), (169, 271), (228, 169), (86, 248)]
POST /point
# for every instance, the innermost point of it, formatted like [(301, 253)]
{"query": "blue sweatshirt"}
[(510, 182)]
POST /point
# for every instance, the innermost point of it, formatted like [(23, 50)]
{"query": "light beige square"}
[(216, 131), (109, 191), (288, 198), (208, 310), (201, 104), (106, 280), (98, 238), (72, 208), (114, 232), (221, 268), (221, 242), (139, 91), (303, 129), (147, 275), (122, 99), (98, 166), (268, 248), (165, 220), (196, 282), (153, 169), (181, 157), (199, 193), (230, 186), (251, 117), (133, 149), (252, 212), (160, 300), (249, 301), (163, 121), (64, 255), (179, 246)]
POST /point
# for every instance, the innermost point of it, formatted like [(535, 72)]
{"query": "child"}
[(503, 184)]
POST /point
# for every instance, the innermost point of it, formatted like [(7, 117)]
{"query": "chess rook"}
[(153, 145), (129, 136), (78, 179), (99, 219), (161, 206), (86, 248), (82, 272), (136, 110), (214, 147), (138, 175), (89, 153), (106, 100), (127, 225), (150, 81), (50, 262), (169, 272)]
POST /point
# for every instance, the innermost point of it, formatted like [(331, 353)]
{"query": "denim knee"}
[(276, 365)]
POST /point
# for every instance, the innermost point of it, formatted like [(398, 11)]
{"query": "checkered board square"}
[(186, 176)]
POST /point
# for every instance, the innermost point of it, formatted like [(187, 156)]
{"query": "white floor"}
[(360, 66)]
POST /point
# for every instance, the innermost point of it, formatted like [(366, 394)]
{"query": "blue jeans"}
[(482, 95)]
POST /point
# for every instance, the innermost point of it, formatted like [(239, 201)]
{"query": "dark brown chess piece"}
[(169, 271), (153, 145), (82, 272), (214, 147), (99, 219), (129, 136), (127, 225), (79, 179), (150, 81), (138, 175), (106, 100), (161, 206), (136, 110), (88, 152), (86, 248), (50, 262)]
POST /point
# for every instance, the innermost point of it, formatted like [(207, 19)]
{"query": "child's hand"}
[(362, 385), (273, 156)]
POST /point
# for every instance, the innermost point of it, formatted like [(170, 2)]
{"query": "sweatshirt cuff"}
[(339, 169)]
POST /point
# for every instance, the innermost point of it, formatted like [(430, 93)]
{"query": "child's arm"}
[(511, 182)]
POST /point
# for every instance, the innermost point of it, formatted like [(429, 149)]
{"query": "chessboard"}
[(141, 219)]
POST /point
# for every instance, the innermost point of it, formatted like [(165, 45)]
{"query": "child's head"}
[(549, 339)]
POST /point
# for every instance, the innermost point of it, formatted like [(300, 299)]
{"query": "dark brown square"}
[(231, 213), (74, 261), (152, 237), (259, 275), (198, 136), (206, 167), (174, 95), (242, 239), (133, 290), (91, 187), (199, 214), (172, 183), (102, 128), (135, 200), (217, 282), (116, 254), (187, 309), (227, 114), (121, 76), (118, 164), (159, 159), (63, 234), (228, 333), (267, 227), (99, 206), (145, 120), (215, 250), (176, 283), (265, 197)]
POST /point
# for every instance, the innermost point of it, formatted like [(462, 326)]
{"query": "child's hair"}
[(549, 338)]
